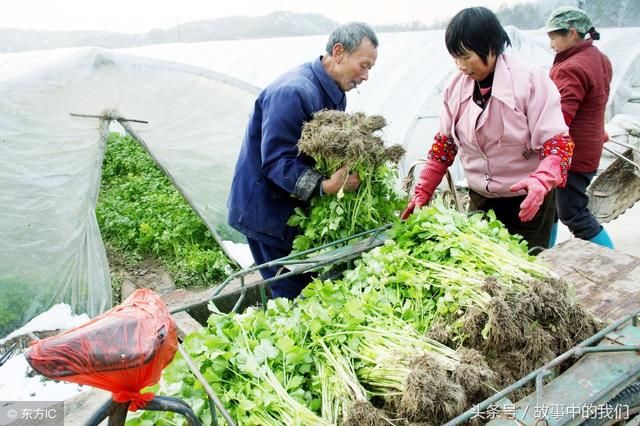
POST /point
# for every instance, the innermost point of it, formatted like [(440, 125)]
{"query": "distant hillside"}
[(17, 40), (603, 13), (277, 24), (529, 15)]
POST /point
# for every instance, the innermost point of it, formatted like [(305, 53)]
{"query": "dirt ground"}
[(126, 278)]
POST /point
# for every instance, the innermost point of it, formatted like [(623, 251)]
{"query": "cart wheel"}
[(628, 399)]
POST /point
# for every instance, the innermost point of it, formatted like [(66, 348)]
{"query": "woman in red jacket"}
[(582, 74)]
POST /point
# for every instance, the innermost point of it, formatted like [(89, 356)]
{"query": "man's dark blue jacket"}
[(271, 178)]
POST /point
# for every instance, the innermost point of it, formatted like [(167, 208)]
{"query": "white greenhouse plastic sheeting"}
[(197, 98), (405, 85), (50, 162)]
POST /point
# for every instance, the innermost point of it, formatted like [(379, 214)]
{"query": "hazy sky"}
[(143, 15)]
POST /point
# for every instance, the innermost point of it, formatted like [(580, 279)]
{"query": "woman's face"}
[(472, 65), (558, 42)]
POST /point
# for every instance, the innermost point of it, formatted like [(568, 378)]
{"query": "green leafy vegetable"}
[(141, 213)]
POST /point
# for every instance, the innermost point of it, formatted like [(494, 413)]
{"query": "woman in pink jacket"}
[(503, 117), (583, 75)]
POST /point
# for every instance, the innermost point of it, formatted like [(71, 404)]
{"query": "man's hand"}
[(536, 192), (340, 180)]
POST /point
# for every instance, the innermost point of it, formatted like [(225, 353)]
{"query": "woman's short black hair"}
[(477, 29)]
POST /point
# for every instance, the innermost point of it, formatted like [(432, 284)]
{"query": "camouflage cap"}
[(566, 17)]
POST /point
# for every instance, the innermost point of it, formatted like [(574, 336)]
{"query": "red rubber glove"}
[(536, 192), (546, 177), (428, 180)]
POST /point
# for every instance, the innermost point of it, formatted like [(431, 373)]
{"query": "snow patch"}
[(59, 317), (239, 252), (15, 383)]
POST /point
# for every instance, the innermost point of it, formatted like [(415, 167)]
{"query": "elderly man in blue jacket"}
[(271, 177)]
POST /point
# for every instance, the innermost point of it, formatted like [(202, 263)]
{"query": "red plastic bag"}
[(121, 351)]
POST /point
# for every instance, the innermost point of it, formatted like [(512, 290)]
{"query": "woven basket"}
[(616, 189)]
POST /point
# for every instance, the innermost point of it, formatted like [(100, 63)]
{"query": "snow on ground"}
[(59, 317), (15, 383), (239, 252)]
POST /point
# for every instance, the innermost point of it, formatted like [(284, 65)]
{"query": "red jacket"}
[(583, 74)]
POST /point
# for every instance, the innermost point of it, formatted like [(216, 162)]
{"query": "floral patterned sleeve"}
[(562, 146), (444, 149)]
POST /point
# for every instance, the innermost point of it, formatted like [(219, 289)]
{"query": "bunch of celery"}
[(334, 140)]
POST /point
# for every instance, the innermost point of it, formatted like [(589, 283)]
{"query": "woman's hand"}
[(536, 192)]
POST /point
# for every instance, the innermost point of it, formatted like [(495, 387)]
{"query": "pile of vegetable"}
[(141, 214), (334, 140), (500, 302), (442, 315)]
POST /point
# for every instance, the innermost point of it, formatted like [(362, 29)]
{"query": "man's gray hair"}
[(350, 36)]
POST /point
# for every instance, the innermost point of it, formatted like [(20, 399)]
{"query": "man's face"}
[(353, 68)]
